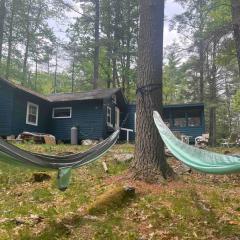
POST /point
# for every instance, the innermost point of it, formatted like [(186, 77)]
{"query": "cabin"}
[(96, 114), (186, 119)]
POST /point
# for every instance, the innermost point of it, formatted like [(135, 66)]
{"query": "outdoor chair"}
[(231, 141), (202, 141)]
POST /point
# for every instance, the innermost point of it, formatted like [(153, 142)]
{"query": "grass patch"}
[(196, 207)]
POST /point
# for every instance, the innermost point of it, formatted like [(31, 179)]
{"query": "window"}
[(180, 119), (109, 116), (194, 122), (32, 114), (117, 117), (65, 112), (194, 118)]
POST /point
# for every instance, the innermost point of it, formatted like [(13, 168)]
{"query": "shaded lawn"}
[(197, 206)]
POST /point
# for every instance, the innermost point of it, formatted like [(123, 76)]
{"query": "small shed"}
[(187, 119)]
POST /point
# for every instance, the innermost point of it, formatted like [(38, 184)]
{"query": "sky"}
[(60, 26), (171, 8)]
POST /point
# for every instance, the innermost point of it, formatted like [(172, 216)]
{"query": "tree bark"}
[(202, 20), (36, 73), (73, 70), (150, 163), (202, 58), (213, 97), (236, 26), (27, 43), (55, 72), (116, 39), (2, 20), (97, 46), (10, 39)]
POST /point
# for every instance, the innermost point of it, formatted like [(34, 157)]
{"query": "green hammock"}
[(198, 159), (64, 164)]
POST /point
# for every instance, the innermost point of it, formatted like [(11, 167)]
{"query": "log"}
[(105, 167), (112, 199)]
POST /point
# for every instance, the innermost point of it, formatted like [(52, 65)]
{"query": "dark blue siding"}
[(88, 116), (168, 114), (20, 110), (6, 107)]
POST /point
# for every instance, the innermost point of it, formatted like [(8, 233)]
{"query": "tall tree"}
[(192, 25), (236, 26), (2, 20), (97, 44), (10, 37), (150, 162)]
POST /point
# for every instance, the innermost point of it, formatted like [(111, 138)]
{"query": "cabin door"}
[(117, 117)]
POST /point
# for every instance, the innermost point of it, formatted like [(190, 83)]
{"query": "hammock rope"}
[(198, 159), (64, 164)]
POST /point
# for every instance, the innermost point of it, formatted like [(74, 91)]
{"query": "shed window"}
[(180, 119), (194, 118), (109, 116), (32, 114), (65, 112)]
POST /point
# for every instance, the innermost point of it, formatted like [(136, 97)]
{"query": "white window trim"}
[(70, 108), (109, 123), (117, 117), (37, 107)]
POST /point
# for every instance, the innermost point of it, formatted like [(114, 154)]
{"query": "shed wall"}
[(6, 108), (87, 116), (20, 101)]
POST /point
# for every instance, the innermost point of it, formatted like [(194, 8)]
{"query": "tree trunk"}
[(2, 20), (116, 39), (212, 126), (73, 71), (128, 60), (10, 40), (36, 73), (27, 43), (97, 46), (202, 19), (201, 55), (213, 97), (150, 163), (55, 73), (236, 27)]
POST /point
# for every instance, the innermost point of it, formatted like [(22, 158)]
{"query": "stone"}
[(89, 142), (124, 157), (40, 177)]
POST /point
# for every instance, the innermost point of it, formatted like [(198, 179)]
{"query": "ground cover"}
[(196, 206)]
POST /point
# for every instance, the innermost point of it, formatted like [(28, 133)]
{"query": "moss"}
[(114, 198)]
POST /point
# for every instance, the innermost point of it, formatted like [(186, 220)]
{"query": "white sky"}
[(60, 26), (171, 8)]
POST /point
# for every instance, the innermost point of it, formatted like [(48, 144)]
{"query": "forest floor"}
[(196, 206)]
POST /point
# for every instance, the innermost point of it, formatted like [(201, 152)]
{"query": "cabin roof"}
[(182, 105), (79, 96), (21, 88), (63, 97)]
